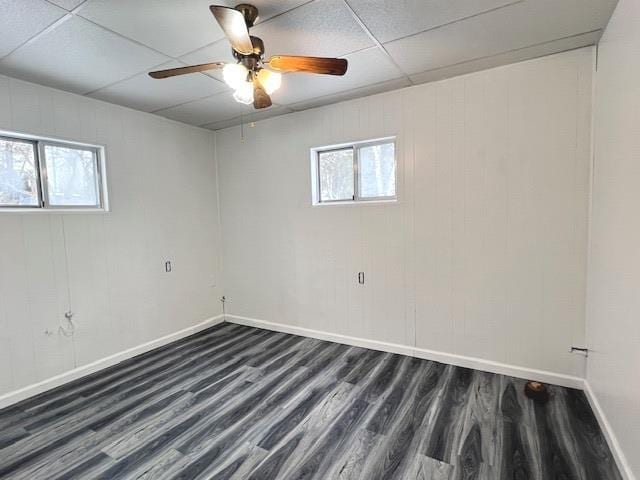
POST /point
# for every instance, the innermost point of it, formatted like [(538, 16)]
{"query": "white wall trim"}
[(66, 377), (612, 440), (450, 358)]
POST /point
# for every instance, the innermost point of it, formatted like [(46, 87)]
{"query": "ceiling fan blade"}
[(234, 27), (172, 72), (260, 97), (327, 66)]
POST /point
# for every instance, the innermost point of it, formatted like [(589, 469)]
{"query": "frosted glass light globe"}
[(244, 93), (269, 80), (234, 74)]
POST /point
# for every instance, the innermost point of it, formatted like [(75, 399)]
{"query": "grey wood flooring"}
[(234, 402)]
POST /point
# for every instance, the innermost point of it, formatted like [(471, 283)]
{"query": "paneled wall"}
[(613, 308), (484, 253), (108, 268)]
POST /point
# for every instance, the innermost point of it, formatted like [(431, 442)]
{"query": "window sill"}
[(356, 203), (52, 210)]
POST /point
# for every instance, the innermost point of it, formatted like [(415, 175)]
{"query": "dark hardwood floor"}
[(235, 402)]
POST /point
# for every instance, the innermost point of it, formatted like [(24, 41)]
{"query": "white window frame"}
[(39, 144), (355, 146)]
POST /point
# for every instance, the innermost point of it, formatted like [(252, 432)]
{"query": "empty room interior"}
[(320, 239)]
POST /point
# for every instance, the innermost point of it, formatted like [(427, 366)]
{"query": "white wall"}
[(108, 268), (613, 312), (484, 255)]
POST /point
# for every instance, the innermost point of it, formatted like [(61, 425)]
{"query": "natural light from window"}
[(377, 170), (42, 174), (18, 174), (335, 168), (353, 173), (71, 176)]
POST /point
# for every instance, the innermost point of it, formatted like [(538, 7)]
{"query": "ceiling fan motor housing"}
[(250, 13), (254, 60)]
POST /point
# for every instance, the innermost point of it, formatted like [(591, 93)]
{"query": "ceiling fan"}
[(252, 82)]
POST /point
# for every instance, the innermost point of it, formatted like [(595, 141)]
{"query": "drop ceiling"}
[(104, 48)]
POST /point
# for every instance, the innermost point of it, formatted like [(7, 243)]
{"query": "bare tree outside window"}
[(377, 170), (42, 173), (359, 172), (18, 177), (335, 168), (71, 176)]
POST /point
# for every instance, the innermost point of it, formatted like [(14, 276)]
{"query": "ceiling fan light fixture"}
[(244, 93), (249, 79), (235, 74), (270, 81)]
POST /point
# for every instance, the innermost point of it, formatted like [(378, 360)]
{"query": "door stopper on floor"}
[(537, 391)]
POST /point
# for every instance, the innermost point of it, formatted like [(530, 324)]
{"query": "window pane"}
[(377, 169), (336, 175), (71, 176), (18, 178)]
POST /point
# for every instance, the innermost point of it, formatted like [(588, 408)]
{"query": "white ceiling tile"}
[(513, 27), (68, 4), (351, 94), (323, 28), (147, 94), (390, 19), (231, 122), (219, 51), (216, 52), (207, 110), (273, 111), (267, 113), (509, 57), (79, 57), (366, 67), (24, 19), (174, 27)]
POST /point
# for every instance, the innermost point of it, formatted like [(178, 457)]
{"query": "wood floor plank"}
[(426, 468), (394, 455), (593, 447), (79, 420), (449, 416), (247, 422), (110, 374), (237, 403), (295, 446)]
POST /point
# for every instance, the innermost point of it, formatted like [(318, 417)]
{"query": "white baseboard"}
[(443, 357), (458, 360), (53, 382), (462, 361), (610, 436)]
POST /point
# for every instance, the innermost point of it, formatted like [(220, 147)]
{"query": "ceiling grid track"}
[(514, 50), (377, 42), (48, 28)]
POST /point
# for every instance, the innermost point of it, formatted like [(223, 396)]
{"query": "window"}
[(19, 180), (45, 174), (356, 172), (335, 168)]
